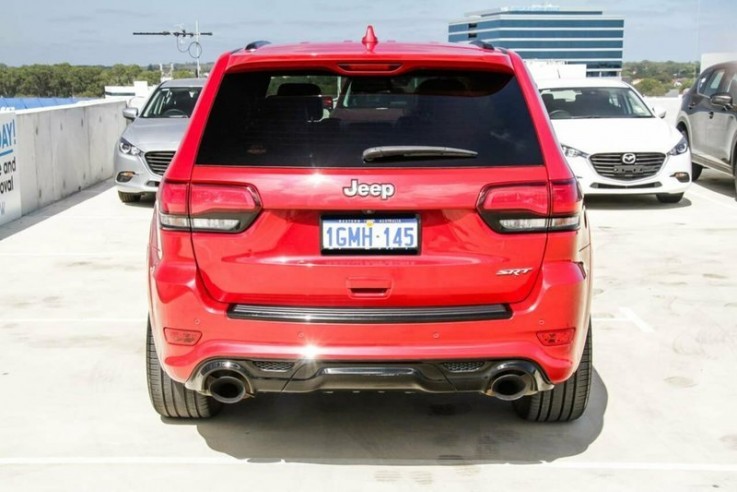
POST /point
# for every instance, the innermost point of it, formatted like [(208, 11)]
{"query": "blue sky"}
[(100, 32)]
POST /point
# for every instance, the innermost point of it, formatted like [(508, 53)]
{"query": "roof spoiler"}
[(256, 45), (482, 44)]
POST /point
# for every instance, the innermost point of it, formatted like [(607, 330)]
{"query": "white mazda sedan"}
[(614, 142)]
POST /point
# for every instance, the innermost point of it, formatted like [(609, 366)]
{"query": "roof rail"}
[(256, 45), (482, 44)]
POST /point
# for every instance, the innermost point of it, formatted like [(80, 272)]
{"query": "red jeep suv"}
[(369, 216)]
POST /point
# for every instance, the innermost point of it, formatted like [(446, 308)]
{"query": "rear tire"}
[(170, 398), (669, 197), (129, 197), (566, 401)]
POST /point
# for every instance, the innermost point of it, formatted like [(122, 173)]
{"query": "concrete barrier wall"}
[(65, 149)]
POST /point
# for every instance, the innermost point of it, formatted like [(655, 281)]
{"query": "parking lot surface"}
[(75, 413)]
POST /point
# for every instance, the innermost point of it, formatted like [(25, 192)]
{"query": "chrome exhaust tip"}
[(228, 389), (510, 386)]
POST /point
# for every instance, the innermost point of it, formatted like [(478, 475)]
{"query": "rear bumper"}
[(559, 300), (307, 375)]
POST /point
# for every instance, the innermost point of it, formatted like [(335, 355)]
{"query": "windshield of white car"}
[(594, 102), (171, 102)]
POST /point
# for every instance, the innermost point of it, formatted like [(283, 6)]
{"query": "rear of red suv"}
[(369, 216)]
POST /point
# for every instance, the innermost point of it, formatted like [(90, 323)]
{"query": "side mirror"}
[(130, 113), (722, 99), (659, 112)]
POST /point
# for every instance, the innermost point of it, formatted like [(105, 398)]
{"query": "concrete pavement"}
[(75, 413)]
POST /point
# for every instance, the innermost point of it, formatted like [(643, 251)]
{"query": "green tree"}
[(183, 74), (652, 87), (153, 77), (686, 84), (9, 81)]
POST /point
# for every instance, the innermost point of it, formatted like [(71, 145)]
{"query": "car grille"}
[(602, 186), (470, 366), (159, 161), (611, 165), (273, 365)]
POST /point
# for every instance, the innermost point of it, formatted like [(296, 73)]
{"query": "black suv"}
[(708, 119)]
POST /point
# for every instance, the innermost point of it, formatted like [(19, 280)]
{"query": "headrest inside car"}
[(441, 87), (296, 108), (298, 89)]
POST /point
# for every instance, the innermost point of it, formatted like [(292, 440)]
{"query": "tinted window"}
[(701, 84), (732, 87), (594, 102), (325, 120), (172, 102), (712, 85)]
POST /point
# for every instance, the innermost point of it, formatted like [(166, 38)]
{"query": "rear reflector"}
[(182, 337), (556, 337)]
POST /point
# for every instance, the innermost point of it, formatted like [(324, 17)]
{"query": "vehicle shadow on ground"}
[(147, 201), (396, 429), (52, 209), (632, 202), (717, 182)]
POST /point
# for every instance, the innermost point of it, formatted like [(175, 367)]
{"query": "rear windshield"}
[(326, 120), (172, 102)]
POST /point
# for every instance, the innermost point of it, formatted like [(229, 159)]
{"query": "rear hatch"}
[(369, 191)]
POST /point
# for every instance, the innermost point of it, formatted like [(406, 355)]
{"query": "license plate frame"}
[(413, 219)]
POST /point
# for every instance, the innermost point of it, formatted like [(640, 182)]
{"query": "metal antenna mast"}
[(194, 48)]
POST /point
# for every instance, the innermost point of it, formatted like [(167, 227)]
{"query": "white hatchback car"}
[(614, 142)]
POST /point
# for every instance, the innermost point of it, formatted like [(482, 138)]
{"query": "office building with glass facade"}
[(547, 32)]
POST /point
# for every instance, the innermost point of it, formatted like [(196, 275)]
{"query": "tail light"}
[(206, 207), (534, 207)]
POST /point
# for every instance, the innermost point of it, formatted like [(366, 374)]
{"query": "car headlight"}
[(680, 148), (571, 152), (128, 148)]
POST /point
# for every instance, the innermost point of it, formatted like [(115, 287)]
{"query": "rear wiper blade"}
[(411, 152)]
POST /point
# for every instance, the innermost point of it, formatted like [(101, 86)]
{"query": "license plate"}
[(370, 234), (628, 169)]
